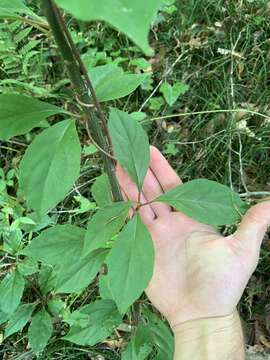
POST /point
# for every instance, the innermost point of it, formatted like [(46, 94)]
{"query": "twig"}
[(242, 175), (197, 141), (255, 193), (207, 112), (233, 121), (163, 77), (98, 147)]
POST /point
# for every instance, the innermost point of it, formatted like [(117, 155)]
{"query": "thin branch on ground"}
[(162, 80), (205, 112)]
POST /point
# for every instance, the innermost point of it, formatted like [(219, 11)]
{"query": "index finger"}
[(163, 171)]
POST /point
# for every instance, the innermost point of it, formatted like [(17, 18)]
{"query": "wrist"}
[(210, 338)]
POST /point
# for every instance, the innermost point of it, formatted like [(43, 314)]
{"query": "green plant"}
[(52, 258)]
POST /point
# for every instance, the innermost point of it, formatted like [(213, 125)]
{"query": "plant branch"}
[(83, 88), (85, 75)]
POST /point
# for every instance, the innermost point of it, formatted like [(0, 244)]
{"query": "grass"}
[(220, 49)]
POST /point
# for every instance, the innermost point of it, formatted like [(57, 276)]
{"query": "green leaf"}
[(52, 243), (130, 352), (75, 276), (85, 205), (90, 150), (41, 223), (101, 191), (160, 336), (171, 149), (130, 145), (53, 160), (140, 345), (93, 323), (19, 319), (56, 306), (28, 266), (19, 114), (46, 278), (104, 225), (104, 290), (11, 290), (10, 7), (133, 18), (138, 115), (172, 93), (110, 82), (130, 264), (40, 331), (206, 201), (13, 241), (13, 6), (156, 103), (3, 317)]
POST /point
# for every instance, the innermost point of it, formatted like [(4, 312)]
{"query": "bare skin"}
[(198, 273)]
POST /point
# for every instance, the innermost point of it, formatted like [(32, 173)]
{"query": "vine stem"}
[(85, 75), (84, 90)]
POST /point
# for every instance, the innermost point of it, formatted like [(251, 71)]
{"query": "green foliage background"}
[(220, 50)]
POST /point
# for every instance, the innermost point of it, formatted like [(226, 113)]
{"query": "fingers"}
[(162, 170), (254, 225), (160, 177), (130, 192), (151, 190)]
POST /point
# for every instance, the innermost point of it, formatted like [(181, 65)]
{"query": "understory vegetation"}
[(204, 100)]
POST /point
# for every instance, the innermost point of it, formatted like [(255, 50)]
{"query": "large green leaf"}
[(19, 114), (50, 166), (93, 323), (3, 317), (101, 191), (206, 201), (130, 145), (19, 319), (74, 277), (52, 243), (11, 290), (40, 331), (104, 225), (133, 18), (130, 264), (110, 82), (13, 5)]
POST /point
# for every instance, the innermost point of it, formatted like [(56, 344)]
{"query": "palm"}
[(197, 271)]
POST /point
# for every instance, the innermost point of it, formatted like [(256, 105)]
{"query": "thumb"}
[(254, 225)]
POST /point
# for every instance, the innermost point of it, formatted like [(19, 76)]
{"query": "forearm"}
[(210, 339)]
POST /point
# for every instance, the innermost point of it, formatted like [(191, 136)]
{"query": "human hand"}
[(197, 273)]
